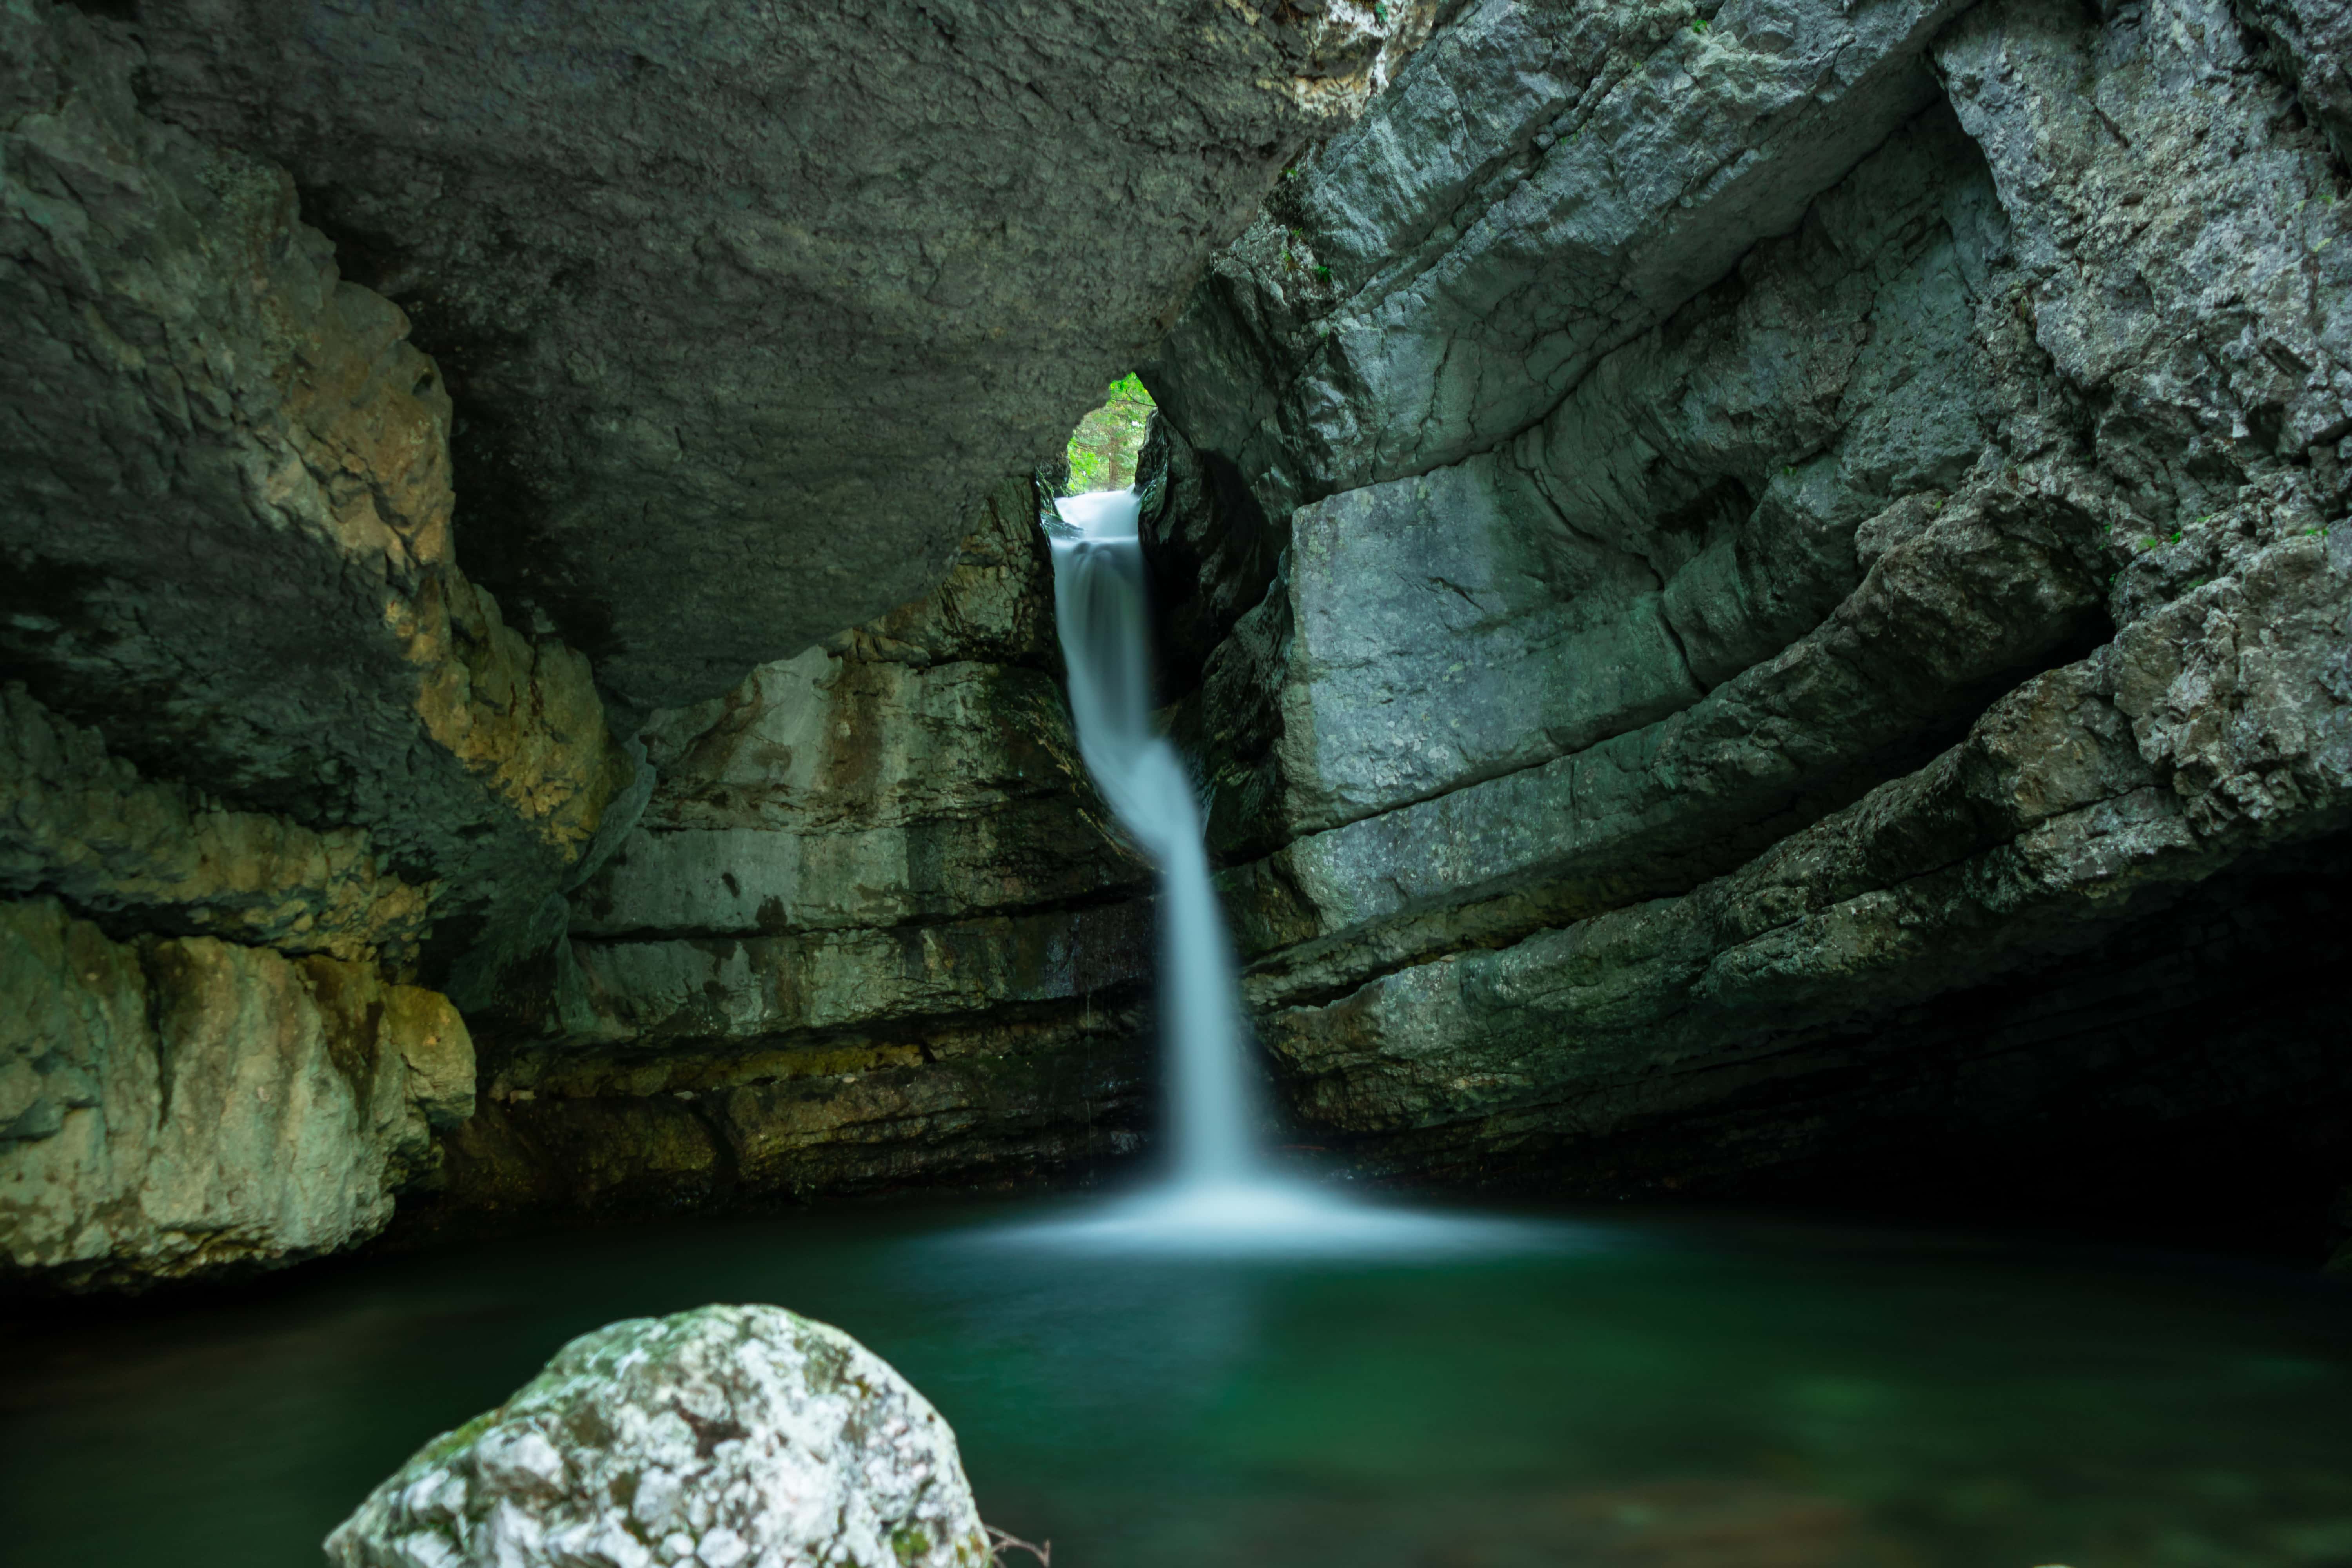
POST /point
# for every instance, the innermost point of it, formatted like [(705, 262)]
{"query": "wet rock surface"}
[(721, 1436), (873, 927), (1650, 754), (1721, 565), (737, 317)]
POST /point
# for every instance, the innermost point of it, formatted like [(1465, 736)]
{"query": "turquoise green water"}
[(1671, 1395)]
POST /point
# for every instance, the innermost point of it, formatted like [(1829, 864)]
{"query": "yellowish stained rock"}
[(168, 1107), (86, 825)]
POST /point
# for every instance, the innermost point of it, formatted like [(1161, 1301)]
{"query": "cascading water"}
[(1220, 1196), (1101, 609)]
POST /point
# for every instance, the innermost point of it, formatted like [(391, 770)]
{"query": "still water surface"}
[(1665, 1395)]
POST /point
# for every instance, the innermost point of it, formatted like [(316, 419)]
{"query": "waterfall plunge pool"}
[(1663, 1393), (1236, 1367)]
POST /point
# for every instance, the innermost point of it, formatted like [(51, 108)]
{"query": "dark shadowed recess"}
[(2182, 1079)]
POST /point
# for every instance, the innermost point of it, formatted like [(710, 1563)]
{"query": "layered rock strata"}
[(143, 854), (270, 759), (226, 509), (871, 929), (1799, 521), (738, 322)]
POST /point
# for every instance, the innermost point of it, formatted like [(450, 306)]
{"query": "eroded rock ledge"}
[(873, 929), (1748, 581), (1797, 529), (766, 295)]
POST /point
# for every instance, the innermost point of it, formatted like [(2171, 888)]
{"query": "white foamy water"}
[(1221, 1197), (1274, 1218), (1102, 609)]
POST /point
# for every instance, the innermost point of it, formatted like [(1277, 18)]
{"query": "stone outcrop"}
[(769, 295), (1808, 564), (1544, 184), (721, 1437), (177, 1106), (226, 508), (871, 927), (250, 1088), (2049, 826), (2313, 44), (1751, 582), (146, 855)]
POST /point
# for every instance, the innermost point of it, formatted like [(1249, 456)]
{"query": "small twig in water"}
[(1000, 1541)]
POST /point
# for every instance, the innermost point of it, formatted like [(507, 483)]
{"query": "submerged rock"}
[(722, 1437)]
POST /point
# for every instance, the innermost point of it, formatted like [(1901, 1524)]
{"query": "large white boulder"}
[(722, 1437)]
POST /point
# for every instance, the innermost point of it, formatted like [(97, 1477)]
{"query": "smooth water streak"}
[(1102, 609), (1222, 1197)]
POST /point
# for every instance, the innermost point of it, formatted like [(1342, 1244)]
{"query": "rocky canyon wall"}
[(270, 757), (699, 339), (1799, 604), (874, 928), (1758, 589)]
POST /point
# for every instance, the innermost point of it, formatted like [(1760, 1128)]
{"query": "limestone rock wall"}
[(1723, 562), (175, 1106), (2314, 49), (1801, 529), (147, 854), (252, 1089), (735, 320), (226, 506), (270, 759), (872, 928)]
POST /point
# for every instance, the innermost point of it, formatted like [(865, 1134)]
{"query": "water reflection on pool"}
[(1672, 1395)]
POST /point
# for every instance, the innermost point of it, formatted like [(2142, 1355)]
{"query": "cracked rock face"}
[(871, 927), (1543, 184), (762, 295), (170, 1107), (1812, 586), (1746, 582), (722, 1437), (738, 312), (227, 512)]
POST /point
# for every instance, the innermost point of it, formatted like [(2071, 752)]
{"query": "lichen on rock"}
[(723, 1438)]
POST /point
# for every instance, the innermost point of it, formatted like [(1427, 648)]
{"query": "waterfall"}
[(1223, 1198), (1102, 610)]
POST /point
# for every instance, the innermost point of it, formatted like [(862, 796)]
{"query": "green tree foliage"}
[(1104, 447)]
